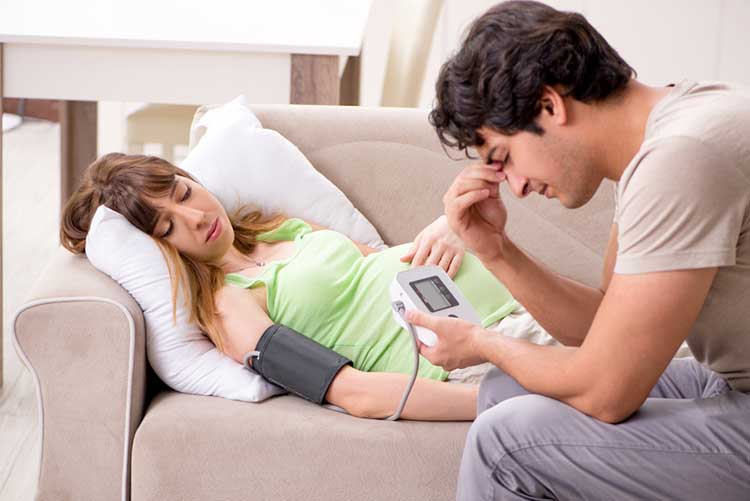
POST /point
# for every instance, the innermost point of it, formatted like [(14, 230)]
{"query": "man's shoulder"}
[(681, 171), (700, 107), (714, 115), (675, 160)]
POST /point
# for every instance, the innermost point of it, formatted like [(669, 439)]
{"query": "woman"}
[(244, 273)]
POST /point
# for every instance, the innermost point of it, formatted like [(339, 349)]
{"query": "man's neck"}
[(618, 127)]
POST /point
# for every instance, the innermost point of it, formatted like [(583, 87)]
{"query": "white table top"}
[(323, 27)]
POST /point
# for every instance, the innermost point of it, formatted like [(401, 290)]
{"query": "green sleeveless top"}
[(331, 293)]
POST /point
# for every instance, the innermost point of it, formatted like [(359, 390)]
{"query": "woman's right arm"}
[(361, 394), (378, 394), (242, 319)]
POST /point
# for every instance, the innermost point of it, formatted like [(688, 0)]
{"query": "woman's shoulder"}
[(230, 299), (288, 230), (242, 317)]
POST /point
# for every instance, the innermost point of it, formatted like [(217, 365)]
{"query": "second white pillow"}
[(241, 162)]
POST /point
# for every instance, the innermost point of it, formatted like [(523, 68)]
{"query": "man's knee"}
[(499, 433), (496, 387), (517, 420)]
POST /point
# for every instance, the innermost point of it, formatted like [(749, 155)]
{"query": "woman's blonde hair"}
[(124, 183)]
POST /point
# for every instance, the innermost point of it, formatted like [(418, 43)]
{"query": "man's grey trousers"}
[(689, 440)]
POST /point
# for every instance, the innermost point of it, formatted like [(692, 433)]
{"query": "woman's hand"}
[(475, 211), (437, 244)]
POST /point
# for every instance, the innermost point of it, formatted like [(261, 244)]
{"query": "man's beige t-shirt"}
[(684, 203)]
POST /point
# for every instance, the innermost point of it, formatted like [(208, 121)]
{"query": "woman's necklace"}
[(257, 263)]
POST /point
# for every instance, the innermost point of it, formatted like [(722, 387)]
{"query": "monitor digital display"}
[(434, 294)]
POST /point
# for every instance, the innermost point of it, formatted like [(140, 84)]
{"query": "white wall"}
[(664, 40)]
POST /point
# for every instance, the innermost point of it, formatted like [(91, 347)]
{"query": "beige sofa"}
[(112, 430)]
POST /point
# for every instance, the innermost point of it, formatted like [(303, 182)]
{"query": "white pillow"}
[(230, 159), (240, 162)]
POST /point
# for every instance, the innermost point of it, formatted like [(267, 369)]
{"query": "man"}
[(552, 109)]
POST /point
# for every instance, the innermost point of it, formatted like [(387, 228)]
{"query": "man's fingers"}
[(461, 187), (421, 255), (409, 255), (455, 265), (434, 257), (445, 261), (489, 173), (492, 211), (425, 350), (460, 204), (421, 319)]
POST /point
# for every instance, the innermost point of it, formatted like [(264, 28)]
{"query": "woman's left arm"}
[(364, 249)]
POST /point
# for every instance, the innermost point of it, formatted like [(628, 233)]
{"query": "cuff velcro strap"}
[(298, 364)]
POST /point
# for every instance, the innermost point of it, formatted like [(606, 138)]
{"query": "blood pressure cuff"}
[(298, 364)]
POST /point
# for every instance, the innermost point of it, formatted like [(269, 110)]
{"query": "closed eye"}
[(187, 194), (502, 162)]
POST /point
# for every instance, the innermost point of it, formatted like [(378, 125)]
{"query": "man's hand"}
[(437, 244), (457, 345), (475, 211)]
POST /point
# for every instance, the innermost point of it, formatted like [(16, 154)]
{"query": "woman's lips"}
[(215, 231)]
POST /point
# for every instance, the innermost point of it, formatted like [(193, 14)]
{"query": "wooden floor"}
[(31, 197)]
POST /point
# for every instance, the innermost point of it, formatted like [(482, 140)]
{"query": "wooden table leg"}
[(78, 135), (315, 79), (349, 86), (2, 304)]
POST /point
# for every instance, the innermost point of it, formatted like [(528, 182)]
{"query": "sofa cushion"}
[(194, 447)]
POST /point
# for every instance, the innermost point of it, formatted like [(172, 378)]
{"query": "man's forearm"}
[(544, 370), (564, 307)]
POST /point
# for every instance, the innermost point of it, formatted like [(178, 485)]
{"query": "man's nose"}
[(518, 184)]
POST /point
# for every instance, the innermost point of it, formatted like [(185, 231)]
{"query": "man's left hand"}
[(437, 245), (458, 340)]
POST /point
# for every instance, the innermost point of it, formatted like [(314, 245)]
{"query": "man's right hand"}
[(476, 212)]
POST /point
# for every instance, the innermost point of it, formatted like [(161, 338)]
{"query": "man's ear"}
[(552, 107)]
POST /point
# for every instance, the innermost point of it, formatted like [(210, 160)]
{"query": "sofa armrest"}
[(82, 336)]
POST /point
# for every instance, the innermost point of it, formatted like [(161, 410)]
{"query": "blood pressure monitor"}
[(429, 289)]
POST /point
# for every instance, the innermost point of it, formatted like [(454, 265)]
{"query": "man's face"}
[(551, 164)]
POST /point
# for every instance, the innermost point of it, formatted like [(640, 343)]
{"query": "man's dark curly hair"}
[(510, 53)]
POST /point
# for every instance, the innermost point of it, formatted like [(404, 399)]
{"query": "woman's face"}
[(194, 221)]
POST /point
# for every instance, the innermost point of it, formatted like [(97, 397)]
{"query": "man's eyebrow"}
[(488, 160)]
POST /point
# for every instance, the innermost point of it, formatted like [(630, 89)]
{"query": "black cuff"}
[(285, 357)]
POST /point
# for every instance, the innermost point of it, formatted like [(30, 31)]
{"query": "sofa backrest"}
[(391, 165)]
